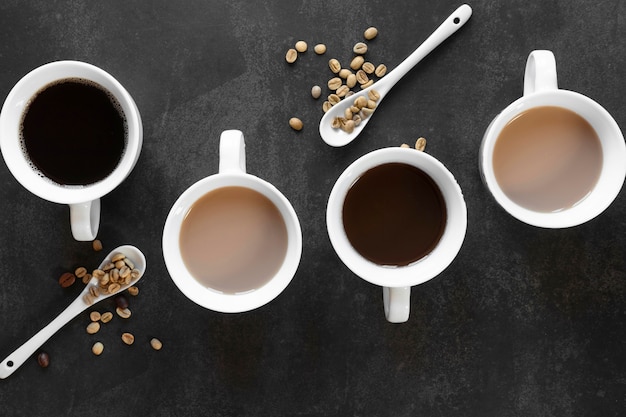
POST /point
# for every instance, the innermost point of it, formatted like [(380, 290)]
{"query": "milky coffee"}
[(547, 159), (233, 240)]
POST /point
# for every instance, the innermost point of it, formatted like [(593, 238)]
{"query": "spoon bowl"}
[(84, 301), (337, 137)]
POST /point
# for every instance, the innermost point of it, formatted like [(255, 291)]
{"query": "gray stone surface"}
[(525, 322)]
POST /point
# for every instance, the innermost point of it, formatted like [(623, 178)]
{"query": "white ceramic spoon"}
[(337, 137), (21, 354)]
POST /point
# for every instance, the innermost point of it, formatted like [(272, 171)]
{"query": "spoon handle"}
[(443, 32), (21, 354)]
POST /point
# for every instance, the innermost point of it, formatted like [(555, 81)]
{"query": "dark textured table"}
[(525, 322)]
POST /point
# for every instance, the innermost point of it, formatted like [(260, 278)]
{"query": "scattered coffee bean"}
[(301, 46), (156, 343), (344, 73), (93, 327), (128, 338), (420, 145), (320, 49), (123, 312), (357, 62), (97, 348), (96, 245), (43, 359), (361, 77), (316, 91), (295, 123), (121, 301), (342, 91), (370, 33), (80, 272), (381, 70), (67, 279), (334, 66), (359, 48), (351, 80), (368, 67), (106, 317), (133, 291), (334, 83), (291, 56), (367, 84), (94, 316)]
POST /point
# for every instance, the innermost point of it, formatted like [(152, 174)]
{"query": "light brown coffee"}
[(233, 240), (547, 159)]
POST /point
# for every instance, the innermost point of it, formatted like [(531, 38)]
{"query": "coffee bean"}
[(93, 327), (106, 317), (123, 312), (128, 338), (67, 279), (97, 348), (156, 344), (121, 302), (97, 245), (43, 359)]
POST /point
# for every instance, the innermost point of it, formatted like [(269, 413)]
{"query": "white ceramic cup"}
[(232, 172), (540, 89), (397, 281), (83, 200)]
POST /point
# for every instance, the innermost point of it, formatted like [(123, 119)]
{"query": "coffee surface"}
[(394, 214), (547, 159), (74, 132), (233, 240)]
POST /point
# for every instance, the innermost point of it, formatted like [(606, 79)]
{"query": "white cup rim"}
[(612, 174), (424, 269), (10, 120), (211, 299)]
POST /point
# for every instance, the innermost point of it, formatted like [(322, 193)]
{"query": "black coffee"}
[(394, 214), (74, 132)]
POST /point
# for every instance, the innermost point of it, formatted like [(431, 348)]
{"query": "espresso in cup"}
[(70, 133), (396, 218), (233, 240), (394, 214), (74, 132)]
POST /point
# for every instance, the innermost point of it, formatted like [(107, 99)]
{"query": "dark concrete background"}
[(525, 322)]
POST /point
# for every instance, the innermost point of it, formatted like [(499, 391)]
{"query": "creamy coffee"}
[(547, 159), (233, 240)]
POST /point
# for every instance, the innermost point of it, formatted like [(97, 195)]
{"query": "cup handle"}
[(85, 220), (396, 301), (232, 152), (540, 74)]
